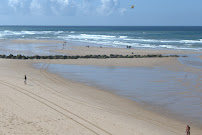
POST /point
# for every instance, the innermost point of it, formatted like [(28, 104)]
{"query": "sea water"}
[(150, 37), (170, 92)]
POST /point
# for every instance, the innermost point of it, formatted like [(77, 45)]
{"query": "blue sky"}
[(101, 12)]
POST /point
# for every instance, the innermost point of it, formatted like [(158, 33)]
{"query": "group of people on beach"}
[(89, 46), (128, 46)]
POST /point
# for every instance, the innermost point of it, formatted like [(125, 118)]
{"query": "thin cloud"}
[(107, 7), (61, 7), (122, 11)]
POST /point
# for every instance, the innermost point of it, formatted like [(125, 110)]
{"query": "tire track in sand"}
[(57, 81), (77, 119), (166, 125), (70, 98)]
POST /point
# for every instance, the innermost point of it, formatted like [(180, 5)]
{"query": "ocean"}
[(139, 37)]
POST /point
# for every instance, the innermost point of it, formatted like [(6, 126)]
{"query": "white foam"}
[(142, 40), (147, 46), (167, 46), (8, 32), (164, 41), (110, 39), (43, 37), (191, 41), (92, 37), (28, 32), (40, 32), (58, 32), (124, 37), (169, 41)]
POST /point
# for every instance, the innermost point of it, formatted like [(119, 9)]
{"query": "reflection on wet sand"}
[(143, 85)]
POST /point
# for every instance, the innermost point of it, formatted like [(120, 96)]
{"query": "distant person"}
[(188, 130), (128, 46), (25, 79)]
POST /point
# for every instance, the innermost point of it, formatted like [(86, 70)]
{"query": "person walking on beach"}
[(188, 130), (25, 79)]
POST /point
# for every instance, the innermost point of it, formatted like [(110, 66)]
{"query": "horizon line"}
[(109, 25)]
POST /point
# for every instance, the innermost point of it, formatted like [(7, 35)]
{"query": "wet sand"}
[(169, 92), (30, 41), (49, 104), (30, 47), (82, 50)]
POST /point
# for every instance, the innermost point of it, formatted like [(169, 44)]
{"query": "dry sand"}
[(49, 104)]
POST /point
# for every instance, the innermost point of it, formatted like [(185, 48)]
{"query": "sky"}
[(101, 12)]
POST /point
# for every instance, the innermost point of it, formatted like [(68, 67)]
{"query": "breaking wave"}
[(115, 39)]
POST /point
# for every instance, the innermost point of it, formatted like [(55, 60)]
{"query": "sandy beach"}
[(80, 50), (21, 41), (49, 104)]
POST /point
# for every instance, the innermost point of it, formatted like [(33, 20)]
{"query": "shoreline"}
[(171, 64), (129, 115), (50, 104), (74, 49)]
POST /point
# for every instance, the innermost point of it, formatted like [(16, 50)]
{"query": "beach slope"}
[(48, 104)]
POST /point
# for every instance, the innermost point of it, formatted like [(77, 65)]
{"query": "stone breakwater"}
[(86, 56)]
